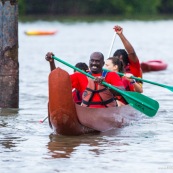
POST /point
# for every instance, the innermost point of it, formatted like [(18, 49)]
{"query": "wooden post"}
[(9, 67)]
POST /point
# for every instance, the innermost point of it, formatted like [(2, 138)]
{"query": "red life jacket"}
[(106, 98), (77, 96)]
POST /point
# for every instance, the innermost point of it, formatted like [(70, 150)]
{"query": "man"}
[(130, 60), (94, 93)]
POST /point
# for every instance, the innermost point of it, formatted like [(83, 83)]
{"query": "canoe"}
[(69, 118), (153, 65), (40, 32)]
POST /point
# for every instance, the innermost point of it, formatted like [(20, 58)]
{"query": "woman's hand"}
[(128, 76), (118, 29)]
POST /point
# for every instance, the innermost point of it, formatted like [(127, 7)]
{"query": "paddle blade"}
[(142, 103), (169, 88)]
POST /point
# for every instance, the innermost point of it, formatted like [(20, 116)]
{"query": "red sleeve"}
[(79, 81), (135, 68), (128, 86), (114, 79)]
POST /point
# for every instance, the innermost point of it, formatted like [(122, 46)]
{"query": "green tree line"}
[(94, 7)]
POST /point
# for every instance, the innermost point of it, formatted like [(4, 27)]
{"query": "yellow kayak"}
[(40, 32)]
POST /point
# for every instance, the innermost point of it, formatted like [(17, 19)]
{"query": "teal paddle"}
[(138, 101), (147, 81)]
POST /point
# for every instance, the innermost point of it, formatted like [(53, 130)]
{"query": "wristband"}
[(133, 81)]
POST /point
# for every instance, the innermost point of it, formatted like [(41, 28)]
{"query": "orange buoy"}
[(153, 65)]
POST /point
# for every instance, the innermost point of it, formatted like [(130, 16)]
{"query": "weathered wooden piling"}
[(9, 67)]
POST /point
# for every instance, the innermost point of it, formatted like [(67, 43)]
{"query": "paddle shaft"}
[(140, 102), (147, 81), (112, 43)]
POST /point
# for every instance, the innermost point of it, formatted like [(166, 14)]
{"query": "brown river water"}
[(144, 146)]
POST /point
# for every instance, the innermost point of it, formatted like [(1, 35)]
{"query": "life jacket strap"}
[(98, 103), (96, 91)]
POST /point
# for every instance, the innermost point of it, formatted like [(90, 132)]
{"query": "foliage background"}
[(95, 7)]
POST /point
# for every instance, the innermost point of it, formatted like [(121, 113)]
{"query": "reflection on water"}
[(144, 146), (7, 112), (7, 140), (65, 146)]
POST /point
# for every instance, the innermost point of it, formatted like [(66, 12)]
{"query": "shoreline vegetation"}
[(95, 10), (93, 18)]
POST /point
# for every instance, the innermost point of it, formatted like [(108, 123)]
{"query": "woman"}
[(116, 65)]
